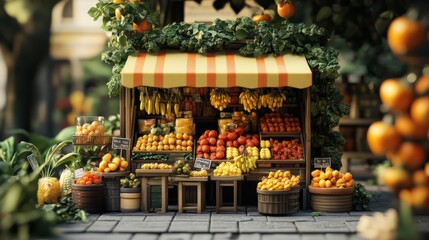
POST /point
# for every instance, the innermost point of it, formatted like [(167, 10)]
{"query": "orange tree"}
[(261, 39)]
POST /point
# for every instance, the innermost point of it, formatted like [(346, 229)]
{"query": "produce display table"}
[(222, 182), (184, 186), (154, 177)]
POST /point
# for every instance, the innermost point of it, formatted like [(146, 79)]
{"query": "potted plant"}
[(130, 194)]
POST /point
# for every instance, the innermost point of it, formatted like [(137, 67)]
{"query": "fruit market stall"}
[(155, 85)]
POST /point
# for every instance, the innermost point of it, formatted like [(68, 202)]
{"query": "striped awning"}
[(178, 69)]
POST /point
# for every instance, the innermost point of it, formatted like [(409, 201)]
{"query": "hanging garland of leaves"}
[(254, 40)]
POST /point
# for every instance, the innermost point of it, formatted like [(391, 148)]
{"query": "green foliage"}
[(361, 198), (256, 40), (65, 211)]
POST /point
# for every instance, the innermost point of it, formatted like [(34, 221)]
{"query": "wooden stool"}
[(154, 178), (184, 185), (222, 182)]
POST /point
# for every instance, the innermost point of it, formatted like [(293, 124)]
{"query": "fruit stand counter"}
[(173, 69)]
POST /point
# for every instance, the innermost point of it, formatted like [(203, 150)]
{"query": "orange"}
[(405, 35), (396, 178), (113, 166), (340, 182), (420, 111), (322, 183), (348, 176), (315, 184), (420, 178), (118, 13), (286, 9), (322, 175), (116, 161), (124, 164), (107, 157), (117, 1), (410, 154), (405, 196), (107, 170), (143, 26), (422, 84), (382, 138), (315, 173), (328, 184), (396, 95), (420, 197), (350, 183), (409, 128), (261, 17), (102, 165), (335, 174)]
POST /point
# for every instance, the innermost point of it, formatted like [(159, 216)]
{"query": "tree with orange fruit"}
[(403, 134)]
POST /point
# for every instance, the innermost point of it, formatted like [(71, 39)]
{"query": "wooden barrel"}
[(89, 198), (278, 202), (130, 199), (331, 199)]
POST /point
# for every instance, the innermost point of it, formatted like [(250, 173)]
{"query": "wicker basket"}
[(89, 198), (331, 199), (278, 202)]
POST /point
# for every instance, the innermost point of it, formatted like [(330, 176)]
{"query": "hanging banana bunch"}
[(272, 100), (141, 98), (219, 98), (249, 98)]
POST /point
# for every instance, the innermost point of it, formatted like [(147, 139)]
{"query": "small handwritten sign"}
[(78, 173), (121, 143), (322, 162), (33, 161), (202, 163)]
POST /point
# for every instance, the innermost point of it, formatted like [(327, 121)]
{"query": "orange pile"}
[(331, 179), (89, 179)]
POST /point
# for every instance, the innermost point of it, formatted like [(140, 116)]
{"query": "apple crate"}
[(278, 202)]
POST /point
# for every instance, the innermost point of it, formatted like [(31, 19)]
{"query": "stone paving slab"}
[(175, 236), (142, 227), (281, 237), (102, 226), (236, 217), (145, 236), (266, 227), (322, 227), (257, 219), (292, 218), (110, 217), (72, 227), (361, 213), (313, 237), (224, 227), (352, 226), (254, 213), (253, 236), (133, 219), (337, 236), (155, 218), (92, 216), (202, 227), (222, 236), (337, 219), (192, 217), (96, 236), (202, 236)]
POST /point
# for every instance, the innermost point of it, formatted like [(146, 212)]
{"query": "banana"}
[(149, 106), (168, 108), (156, 105), (162, 108), (176, 109)]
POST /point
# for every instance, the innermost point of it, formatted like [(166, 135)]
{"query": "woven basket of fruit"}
[(278, 193), (130, 194), (331, 191), (88, 193)]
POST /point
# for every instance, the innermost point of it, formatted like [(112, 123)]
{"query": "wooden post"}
[(307, 146)]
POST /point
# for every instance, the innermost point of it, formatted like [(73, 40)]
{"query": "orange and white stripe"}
[(177, 69)]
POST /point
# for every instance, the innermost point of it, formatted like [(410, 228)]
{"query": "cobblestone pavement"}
[(246, 224)]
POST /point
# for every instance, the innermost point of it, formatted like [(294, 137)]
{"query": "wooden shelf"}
[(364, 122), (359, 155), (280, 134), (301, 160), (162, 152)]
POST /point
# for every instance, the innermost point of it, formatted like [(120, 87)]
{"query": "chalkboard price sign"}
[(322, 162), (121, 143), (202, 163)]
